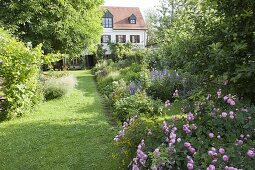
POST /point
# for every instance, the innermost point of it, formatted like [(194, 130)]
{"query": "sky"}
[(142, 4)]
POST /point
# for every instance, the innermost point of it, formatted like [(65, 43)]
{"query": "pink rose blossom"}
[(221, 150), (211, 135), (224, 114), (225, 158)]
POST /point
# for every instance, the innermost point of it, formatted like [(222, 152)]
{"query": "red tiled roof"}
[(121, 15)]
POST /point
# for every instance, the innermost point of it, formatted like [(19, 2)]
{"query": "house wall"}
[(113, 33)]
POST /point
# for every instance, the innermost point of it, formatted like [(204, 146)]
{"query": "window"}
[(105, 38), (132, 21), (135, 38), (120, 38), (107, 22)]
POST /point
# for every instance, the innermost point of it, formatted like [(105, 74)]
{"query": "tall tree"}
[(66, 26)]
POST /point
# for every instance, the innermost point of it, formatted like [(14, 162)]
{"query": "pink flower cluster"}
[(190, 164), (190, 117), (190, 148), (126, 124), (231, 114), (251, 153), (187, 129), (214, 153), (141, 157), (229, 99), (241, 139)]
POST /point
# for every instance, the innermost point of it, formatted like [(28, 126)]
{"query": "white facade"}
[(113, 32)]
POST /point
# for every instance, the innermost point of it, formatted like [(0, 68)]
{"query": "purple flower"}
[(192, 150), (219, 93), (231, 113), (221, 150), (251, 152), (190, 117), (224, 114), (210, 167), (225, 98), (225, 158), (187, 144), (231, 116), (186, 128), (190, 166), (211, 135), (135, 167)]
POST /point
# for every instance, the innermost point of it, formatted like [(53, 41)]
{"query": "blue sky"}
[(143, 4)]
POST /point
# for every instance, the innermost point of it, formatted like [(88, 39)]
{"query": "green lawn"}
[(68, 133)]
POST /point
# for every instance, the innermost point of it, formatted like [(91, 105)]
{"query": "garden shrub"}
[(135, 129), (217, 135), (56, 87), (136, 104), (166, 85), (20, 66)]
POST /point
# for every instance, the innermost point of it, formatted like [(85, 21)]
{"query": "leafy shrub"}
[(20, 70), (136, 104), (135, 129), (58, 87), (166, 85), (216, 135)]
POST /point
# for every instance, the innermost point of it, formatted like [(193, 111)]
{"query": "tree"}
[(65, 26)]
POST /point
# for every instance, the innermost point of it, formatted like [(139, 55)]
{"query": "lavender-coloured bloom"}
[(225, 158), (210, 167), (221, 150), (190, 166), (251, 152), (231, 113), (187, 144), (225, 98), (190, 117), (231, 116), (211, 135), (186, 128), (193, 127), (224, 114), (192, 150), (135, 167), (218, 136)]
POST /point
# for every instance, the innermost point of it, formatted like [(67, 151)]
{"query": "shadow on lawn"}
[(74, 144)]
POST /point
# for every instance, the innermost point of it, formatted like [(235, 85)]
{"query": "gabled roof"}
[(121, 17)]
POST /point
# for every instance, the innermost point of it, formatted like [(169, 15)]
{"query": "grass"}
[(67, 133)]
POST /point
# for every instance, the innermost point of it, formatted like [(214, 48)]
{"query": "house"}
[(122, 25)]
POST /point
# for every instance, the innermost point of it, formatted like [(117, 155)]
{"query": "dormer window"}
[(132, 19), (107, 20)]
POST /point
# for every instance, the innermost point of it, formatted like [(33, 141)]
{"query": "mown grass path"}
[(68, 133)]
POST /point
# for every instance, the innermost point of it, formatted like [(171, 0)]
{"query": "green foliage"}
[(212, 39), (137, 104), (66, 26), (20, 71), (120, 51)]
